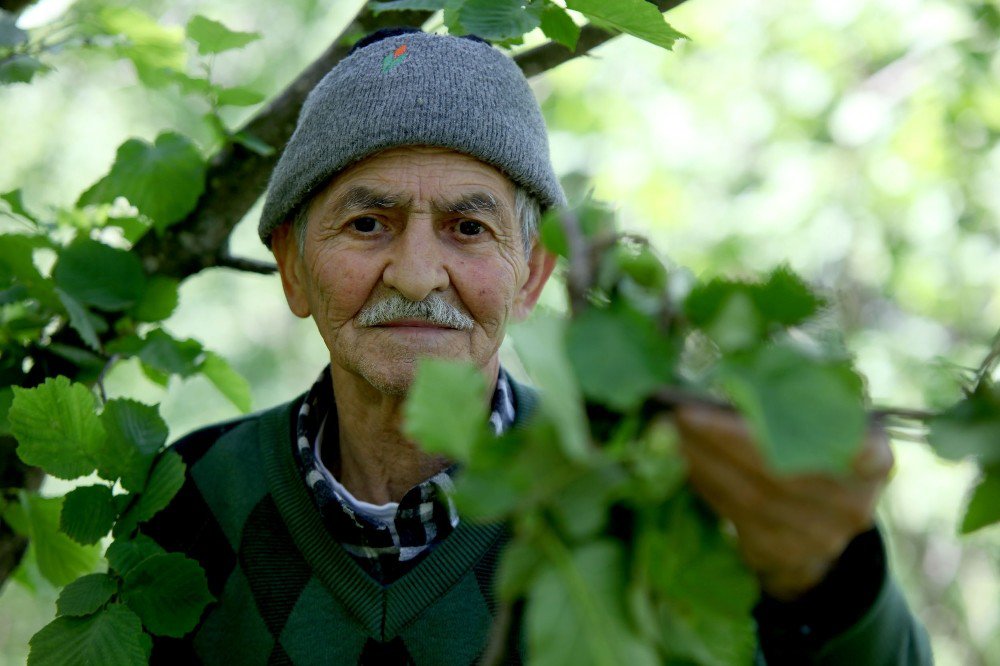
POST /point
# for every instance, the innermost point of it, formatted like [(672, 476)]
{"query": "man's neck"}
[(378, 464)]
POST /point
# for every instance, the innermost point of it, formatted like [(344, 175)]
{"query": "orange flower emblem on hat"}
[(394, 58)]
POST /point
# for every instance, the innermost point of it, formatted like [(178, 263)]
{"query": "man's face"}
[(416, 222)]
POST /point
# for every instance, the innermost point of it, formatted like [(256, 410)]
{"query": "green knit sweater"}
[(287, 593)]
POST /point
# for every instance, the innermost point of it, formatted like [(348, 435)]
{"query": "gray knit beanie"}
[(414, 89)]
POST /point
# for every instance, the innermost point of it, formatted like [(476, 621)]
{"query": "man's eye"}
[(365, 225), (470, 228)]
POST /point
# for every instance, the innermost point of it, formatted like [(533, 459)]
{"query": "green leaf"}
[(80, 320), (20, 69), (643, 267), (253, 143), (151, 47), (56, 427), (10, 34), (113, 637), (520, 562), (229, 382), (580, 508), (491, 491), (86, 360), (156, 376), (126, 554), (162, 180), (15, 200), (88, 512), (575, 612), (806, 414), (15, 515), (446, 387), (407, 5), (785, 298), (213, 37), (158, 300), (552, 234), (99, 275), (136, 432), (60, 559), (635, 17), (188, 84), (168, 592), (6, 398), (984, 502), (705, 301), (738, 324), (541, 347), (86, 594), (705, 591), (559, 26), (167, 354), (499, 20), (17, 267), (737, 315), (970, 427), (618, 355), (165, 479), (238, 97)]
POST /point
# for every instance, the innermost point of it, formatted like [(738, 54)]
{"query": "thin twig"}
[(898, 434), (496, 648), (906, 413), (248, 265), (114, 358), (991, 361), (580, 275), (669, 398)]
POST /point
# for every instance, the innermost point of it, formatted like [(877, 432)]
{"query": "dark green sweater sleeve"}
[(857, 615)]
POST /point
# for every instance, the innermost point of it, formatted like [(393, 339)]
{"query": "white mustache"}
[(433, 309)]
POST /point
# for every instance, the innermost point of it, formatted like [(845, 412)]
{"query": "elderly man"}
[(403, 218)]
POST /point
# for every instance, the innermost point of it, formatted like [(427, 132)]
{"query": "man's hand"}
[(791, 529)]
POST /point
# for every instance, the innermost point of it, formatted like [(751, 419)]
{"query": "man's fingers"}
[(875, 460), (724, 433)]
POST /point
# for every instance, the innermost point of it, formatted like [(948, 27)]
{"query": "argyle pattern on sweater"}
[(287, 592)]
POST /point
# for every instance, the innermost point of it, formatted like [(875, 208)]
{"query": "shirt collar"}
[(392, 533)]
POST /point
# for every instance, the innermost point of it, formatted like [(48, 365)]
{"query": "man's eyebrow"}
[(360, 198), (474, 202)]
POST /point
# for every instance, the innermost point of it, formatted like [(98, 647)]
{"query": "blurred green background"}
[(855, 140)]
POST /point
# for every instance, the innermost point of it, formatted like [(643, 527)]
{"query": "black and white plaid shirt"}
[(386, 540)]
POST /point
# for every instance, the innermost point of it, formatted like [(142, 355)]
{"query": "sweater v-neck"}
[(382, 609)]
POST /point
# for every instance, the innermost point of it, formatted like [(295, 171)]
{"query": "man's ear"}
[(285, 247), (540, 266)]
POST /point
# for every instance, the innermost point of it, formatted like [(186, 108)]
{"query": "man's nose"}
[(416, 265)]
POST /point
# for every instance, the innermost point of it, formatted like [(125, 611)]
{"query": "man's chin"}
[(393, 379)]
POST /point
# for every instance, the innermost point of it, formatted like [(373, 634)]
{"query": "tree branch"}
[(237, 176), (543, 58), (248, 265)]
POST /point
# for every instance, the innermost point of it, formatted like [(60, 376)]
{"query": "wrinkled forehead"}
[(420, 177)]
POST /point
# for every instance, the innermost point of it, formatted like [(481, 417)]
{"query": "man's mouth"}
[(413, 323)]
